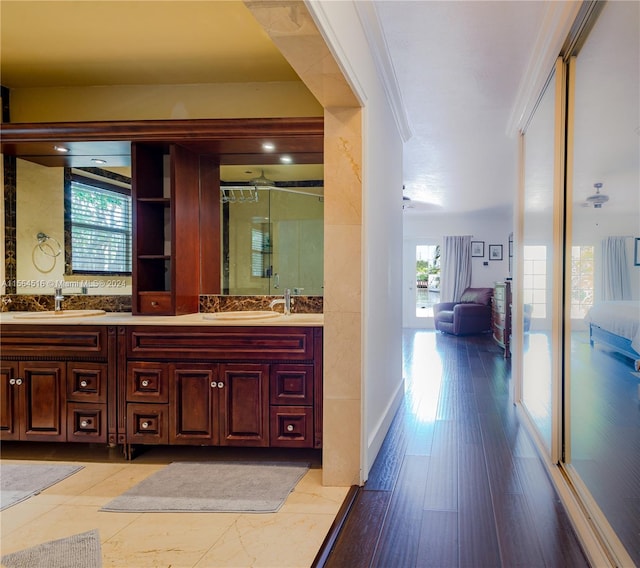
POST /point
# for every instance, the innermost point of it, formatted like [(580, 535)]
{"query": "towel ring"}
[(44, 238)]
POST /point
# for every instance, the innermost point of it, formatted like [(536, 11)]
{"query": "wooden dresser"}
[(501, 316)]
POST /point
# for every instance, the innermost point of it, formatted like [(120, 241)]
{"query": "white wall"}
[(490, 226), (382, 384)]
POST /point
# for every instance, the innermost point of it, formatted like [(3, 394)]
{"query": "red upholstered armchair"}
[(472, 314)]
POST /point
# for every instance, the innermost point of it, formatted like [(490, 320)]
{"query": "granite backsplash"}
[(208, 303)]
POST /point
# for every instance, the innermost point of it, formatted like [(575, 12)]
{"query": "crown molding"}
[(380, 52), (556, 25)]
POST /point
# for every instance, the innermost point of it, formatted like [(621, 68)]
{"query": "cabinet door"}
[(42, 405), (244, 404), (9, 424), (193, 410)]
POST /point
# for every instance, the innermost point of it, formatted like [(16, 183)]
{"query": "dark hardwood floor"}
[(457, 481)]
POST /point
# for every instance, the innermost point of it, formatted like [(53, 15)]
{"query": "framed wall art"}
[(477, 248), (495, 252)]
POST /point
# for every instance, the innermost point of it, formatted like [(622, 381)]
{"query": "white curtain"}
[(615, 269), (455, 267)]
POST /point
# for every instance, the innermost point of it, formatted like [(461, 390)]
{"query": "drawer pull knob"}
[(220, 385), (145, 383), (83, 384), (12, 381), (154, 303), (18, 381), (145, 425), (213, 384), (290, 428), (84, 424)]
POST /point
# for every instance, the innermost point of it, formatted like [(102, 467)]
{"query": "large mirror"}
[(603, 272), (271, 229), (538, 264)]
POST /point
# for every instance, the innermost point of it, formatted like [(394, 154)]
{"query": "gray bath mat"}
[(77, 551), (220, 487), (20, 481)]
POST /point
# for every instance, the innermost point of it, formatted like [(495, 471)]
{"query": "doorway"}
[(421, 290)]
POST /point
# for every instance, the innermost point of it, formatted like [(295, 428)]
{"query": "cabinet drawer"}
[(147, 423), (87, 382), (291, 426), (292, 384), (86, 422), (227, 343), (64, 341), (158, 303), (148, 382)]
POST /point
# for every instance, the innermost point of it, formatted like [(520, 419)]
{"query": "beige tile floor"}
[(289, 538)]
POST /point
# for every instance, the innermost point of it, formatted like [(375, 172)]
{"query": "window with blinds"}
[(260, 250), (100, 226)]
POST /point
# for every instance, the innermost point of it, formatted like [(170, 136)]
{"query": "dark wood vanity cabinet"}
[(53, 384), (235, 386), (198, 403), (152, 384)]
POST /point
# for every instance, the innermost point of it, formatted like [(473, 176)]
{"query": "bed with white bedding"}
[(616, 324)]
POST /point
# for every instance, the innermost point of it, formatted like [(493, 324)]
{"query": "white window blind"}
[(100, 228)]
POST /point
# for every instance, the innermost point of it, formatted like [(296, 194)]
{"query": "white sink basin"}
[(60, 314), (242, 315)]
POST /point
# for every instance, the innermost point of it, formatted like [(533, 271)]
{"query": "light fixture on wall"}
[(597, 200)]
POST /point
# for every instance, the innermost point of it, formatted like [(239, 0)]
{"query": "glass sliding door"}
[(421, 267), (540, 270), (603, 282)]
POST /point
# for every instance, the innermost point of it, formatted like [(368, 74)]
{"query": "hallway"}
[(457, 481)]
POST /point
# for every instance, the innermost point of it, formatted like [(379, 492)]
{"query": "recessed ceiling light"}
[(61, 148), (268, 146), (98, 161), (286, 159)]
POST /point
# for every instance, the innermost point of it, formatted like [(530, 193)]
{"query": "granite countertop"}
[(198, 319)]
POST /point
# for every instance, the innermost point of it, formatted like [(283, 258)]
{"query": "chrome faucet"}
[(287, 301), (58, 297)]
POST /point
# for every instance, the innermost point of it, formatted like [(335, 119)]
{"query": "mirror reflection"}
[(537, 275), (604, 273), (272, 230)]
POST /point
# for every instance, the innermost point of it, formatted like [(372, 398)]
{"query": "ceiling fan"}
[(597, 200), (406, 200)]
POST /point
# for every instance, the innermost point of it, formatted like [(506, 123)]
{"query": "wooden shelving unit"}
[(166, 234)]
